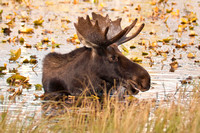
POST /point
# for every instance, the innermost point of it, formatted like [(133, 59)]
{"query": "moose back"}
[(99, 65)]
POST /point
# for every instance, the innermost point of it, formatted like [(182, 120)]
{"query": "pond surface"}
[(59, 16)]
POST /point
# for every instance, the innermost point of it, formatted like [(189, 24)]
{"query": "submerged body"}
[(98, 66)]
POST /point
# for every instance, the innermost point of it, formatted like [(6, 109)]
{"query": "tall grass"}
[(180, 114)]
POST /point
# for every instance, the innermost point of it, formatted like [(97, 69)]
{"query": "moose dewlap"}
[(99, 65)]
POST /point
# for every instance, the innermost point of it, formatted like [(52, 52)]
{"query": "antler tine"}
[(88, 20), (96, 24), (129, 29), (106, 32), (131, 26), (125, 39), (119, 35), (98, 16)]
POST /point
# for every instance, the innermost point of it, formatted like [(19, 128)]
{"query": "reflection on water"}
[(163, 81)]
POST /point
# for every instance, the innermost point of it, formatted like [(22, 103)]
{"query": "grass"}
[(175, 115)]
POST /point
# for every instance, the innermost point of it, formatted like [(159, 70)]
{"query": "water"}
[(163, 81)]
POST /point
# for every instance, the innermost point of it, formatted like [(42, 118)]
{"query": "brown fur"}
[(96, 68)]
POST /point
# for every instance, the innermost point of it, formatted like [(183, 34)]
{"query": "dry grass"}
[(180, 114)]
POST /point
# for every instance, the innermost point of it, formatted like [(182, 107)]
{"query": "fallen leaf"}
[(136, 59), (125, 49), (6, 31), (191, 55), (33, 61), (174, 65), (3, 67), (26, 30), (38, 21), (184, 21), (38, 87), (144, 53), (28, 45), (192, 33), (15, 54), (26, 61), (132, 46), (169, 10), (21, 40)]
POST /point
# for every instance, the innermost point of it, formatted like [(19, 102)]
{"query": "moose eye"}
[(113, 58)]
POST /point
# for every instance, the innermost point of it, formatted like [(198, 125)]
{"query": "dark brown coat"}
[(99, 65)]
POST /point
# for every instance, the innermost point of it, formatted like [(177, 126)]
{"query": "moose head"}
[(99, 65)]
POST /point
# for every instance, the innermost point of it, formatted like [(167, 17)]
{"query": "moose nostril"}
[(147, 85)]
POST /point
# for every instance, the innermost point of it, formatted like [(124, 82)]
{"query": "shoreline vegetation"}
[(168, 48), (178, 113)]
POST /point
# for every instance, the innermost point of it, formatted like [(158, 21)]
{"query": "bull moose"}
[(98, 66)]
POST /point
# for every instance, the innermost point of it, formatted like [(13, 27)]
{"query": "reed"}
[(178, 114)]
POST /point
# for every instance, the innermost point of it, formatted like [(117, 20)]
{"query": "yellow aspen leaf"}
[(15, 54)]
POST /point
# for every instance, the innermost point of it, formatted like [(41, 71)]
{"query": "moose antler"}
[(102, 31)]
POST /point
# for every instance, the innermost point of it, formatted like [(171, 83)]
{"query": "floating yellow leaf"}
[(192, 33), (15, 54), (16, 77), (125, 49), (26, 30), (144, 53), (45, 39), (39, 21), (132, 46), (28, 45), (169, 10), (174, 66), (167, 40), (191, 27), (136, 59), (26, 61), (74, 39), (77, 41), (21, 40), (180, 46), (38, 87), (191, 55), (33, 61), (153, 45), (138, 8), (18, 80), (66, 19), (176, 14), (184, 21), (3, 67), (193, 19)]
